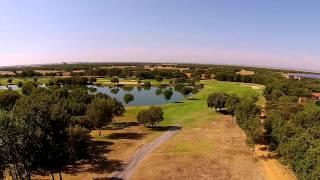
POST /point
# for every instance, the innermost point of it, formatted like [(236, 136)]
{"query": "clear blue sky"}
[(284, 33)]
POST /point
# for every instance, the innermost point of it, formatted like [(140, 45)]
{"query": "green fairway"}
[(190, 113)]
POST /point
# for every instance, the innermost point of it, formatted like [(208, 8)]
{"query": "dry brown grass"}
[(112, 150), (214, 150), (272, 168)]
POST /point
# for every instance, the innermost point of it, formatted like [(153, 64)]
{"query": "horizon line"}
[(141, 62)]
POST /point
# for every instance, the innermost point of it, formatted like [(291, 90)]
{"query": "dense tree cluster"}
[(291, 129), (47, 129), (293, 132), (217, 100), (8, 99), (73, 81), (28, 73), (245, 111), (140, 73), (28, 87)]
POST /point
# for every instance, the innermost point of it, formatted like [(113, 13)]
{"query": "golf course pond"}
[(142, 95)]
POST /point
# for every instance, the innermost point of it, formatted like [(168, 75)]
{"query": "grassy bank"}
[(194, 110), (129, 81), (41, 80)]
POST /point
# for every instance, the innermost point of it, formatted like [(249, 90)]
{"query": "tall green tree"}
[(20, 84), (118, 108), (100, 112), (151, 116), (217, 100), (159, 78), (28, 87), (246, 109), (168, 94), (158, 91), (78, 142), (44, 124), (115, 81), (231, 103), (128, 98), (253, 132), (8, 99)]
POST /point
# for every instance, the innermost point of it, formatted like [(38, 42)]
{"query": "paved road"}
[(139, 156)]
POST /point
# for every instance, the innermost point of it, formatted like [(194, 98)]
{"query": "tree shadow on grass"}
[(224, 112), (120, 125), (178, 102), (193, 99), (96, 162), (127, 135), (165, 128)]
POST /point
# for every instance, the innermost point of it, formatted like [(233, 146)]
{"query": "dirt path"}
[(143, 152), (272, 168)]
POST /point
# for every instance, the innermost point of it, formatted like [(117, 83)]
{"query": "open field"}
[(196, 151), (214, 149), (127, 81), (112, 150), (209, 146), (41, 80)]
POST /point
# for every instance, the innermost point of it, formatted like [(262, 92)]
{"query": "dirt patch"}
[(113, 148), (272, 168), (214, 150)]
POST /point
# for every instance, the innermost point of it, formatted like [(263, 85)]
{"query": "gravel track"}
[(140, 155)]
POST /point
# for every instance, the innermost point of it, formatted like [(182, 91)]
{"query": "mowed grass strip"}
[(209, 145), (192, 114), (193, 110)]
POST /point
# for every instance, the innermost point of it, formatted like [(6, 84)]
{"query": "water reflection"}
[(141, 95)]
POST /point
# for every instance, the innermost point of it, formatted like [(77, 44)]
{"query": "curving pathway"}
[(139, 156)]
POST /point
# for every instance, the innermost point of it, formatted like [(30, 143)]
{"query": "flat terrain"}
[(144, 151), (112, 150), (133, 82), (41, 80), (212, 150), (209, 146)]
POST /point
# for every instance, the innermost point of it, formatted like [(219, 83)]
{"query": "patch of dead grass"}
[(213, 150), (116, 146)]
